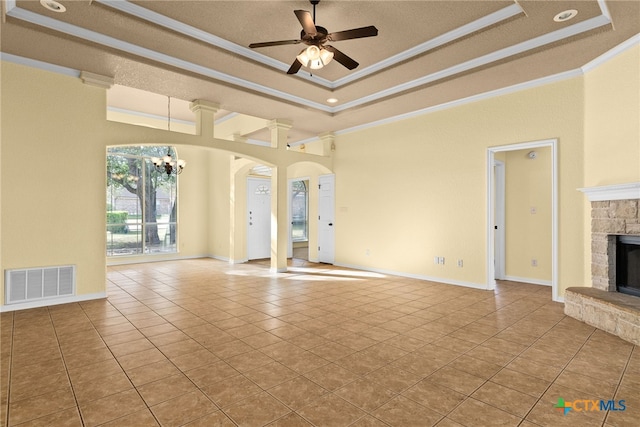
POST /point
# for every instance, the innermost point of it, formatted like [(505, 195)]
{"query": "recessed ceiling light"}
[(565, 15), (53, 6), (332, 100)]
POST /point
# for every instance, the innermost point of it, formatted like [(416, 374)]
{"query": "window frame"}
[(305, 236), (146, 229)]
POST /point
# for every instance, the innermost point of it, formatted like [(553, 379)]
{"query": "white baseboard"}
[(418, 276), (52, 301), (528, 280), (145, 259)]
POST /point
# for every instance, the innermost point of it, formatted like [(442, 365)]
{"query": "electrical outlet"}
[(441, 260), (436, 260), (534, 262), (460, 264)]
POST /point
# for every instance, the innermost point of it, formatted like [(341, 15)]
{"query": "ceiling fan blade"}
[(276, 43), (356, 33), (342, 58), (295, 67), (307, 21)]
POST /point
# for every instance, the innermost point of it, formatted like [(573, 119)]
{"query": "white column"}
[(279, 132), (328, 143), (279, 220), (279, 215), (205, 111)]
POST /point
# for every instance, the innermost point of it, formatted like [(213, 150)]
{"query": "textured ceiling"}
[(427, 53)]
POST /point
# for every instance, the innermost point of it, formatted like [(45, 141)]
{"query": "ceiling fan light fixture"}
[(303, 57), (316, 64), (315, 57), (326, 56), (313, 52)]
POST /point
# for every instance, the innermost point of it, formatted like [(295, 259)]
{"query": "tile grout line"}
[(243, 294), (469, 396), (168, 359), (615, 392), (561, 371), (116, 359), (66, 369), (10, 369)]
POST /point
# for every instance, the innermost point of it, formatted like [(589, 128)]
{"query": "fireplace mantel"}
[(612, 192)]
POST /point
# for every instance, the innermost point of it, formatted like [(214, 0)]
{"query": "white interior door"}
[(326, 218), (258, 218), (499, 220), (290, 220)]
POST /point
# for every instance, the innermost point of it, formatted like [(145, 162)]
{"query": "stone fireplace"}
[(610, 219), (615, 211)]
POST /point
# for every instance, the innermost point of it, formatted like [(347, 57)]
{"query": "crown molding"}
[(14, 11), (448, 37), (111, 42), (136, 50), (149, 115), (140, 12), (498, 55), (41, 65), (462, 101), (612, 53), (203, 36)]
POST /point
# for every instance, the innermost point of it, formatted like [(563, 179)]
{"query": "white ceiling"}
[(426, 54)]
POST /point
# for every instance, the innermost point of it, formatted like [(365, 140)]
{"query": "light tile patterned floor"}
[(204, 343)]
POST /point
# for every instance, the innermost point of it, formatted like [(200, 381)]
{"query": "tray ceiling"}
[(427, 53)]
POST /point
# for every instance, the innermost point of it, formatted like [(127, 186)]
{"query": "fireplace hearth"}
[(612, 303)]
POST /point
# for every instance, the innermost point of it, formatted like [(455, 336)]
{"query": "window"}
[(299, 211), (142, 203)]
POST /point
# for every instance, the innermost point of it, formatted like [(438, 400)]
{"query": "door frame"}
[(490, 251), (499, 219), (290, 211)]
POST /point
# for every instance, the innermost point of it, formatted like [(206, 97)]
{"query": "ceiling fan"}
[(318, 53)]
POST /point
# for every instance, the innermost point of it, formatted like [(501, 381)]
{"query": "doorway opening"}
[(299, 218), (496, 242)]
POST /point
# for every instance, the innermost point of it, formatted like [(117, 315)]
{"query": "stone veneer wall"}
[(612, 312), (608, 219)]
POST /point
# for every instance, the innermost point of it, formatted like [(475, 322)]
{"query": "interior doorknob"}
[(330, 224)]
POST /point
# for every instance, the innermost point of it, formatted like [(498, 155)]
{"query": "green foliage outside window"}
[(147, 196)]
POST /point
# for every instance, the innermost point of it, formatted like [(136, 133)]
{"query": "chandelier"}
[(168, 165)]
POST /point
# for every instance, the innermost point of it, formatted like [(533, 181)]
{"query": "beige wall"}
[(52, 163), (405, 192), (612, 121), (54, 138), (528, 234), (421, 184), (612, 129)]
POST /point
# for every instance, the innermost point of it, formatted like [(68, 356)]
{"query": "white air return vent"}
[(37, 284)]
